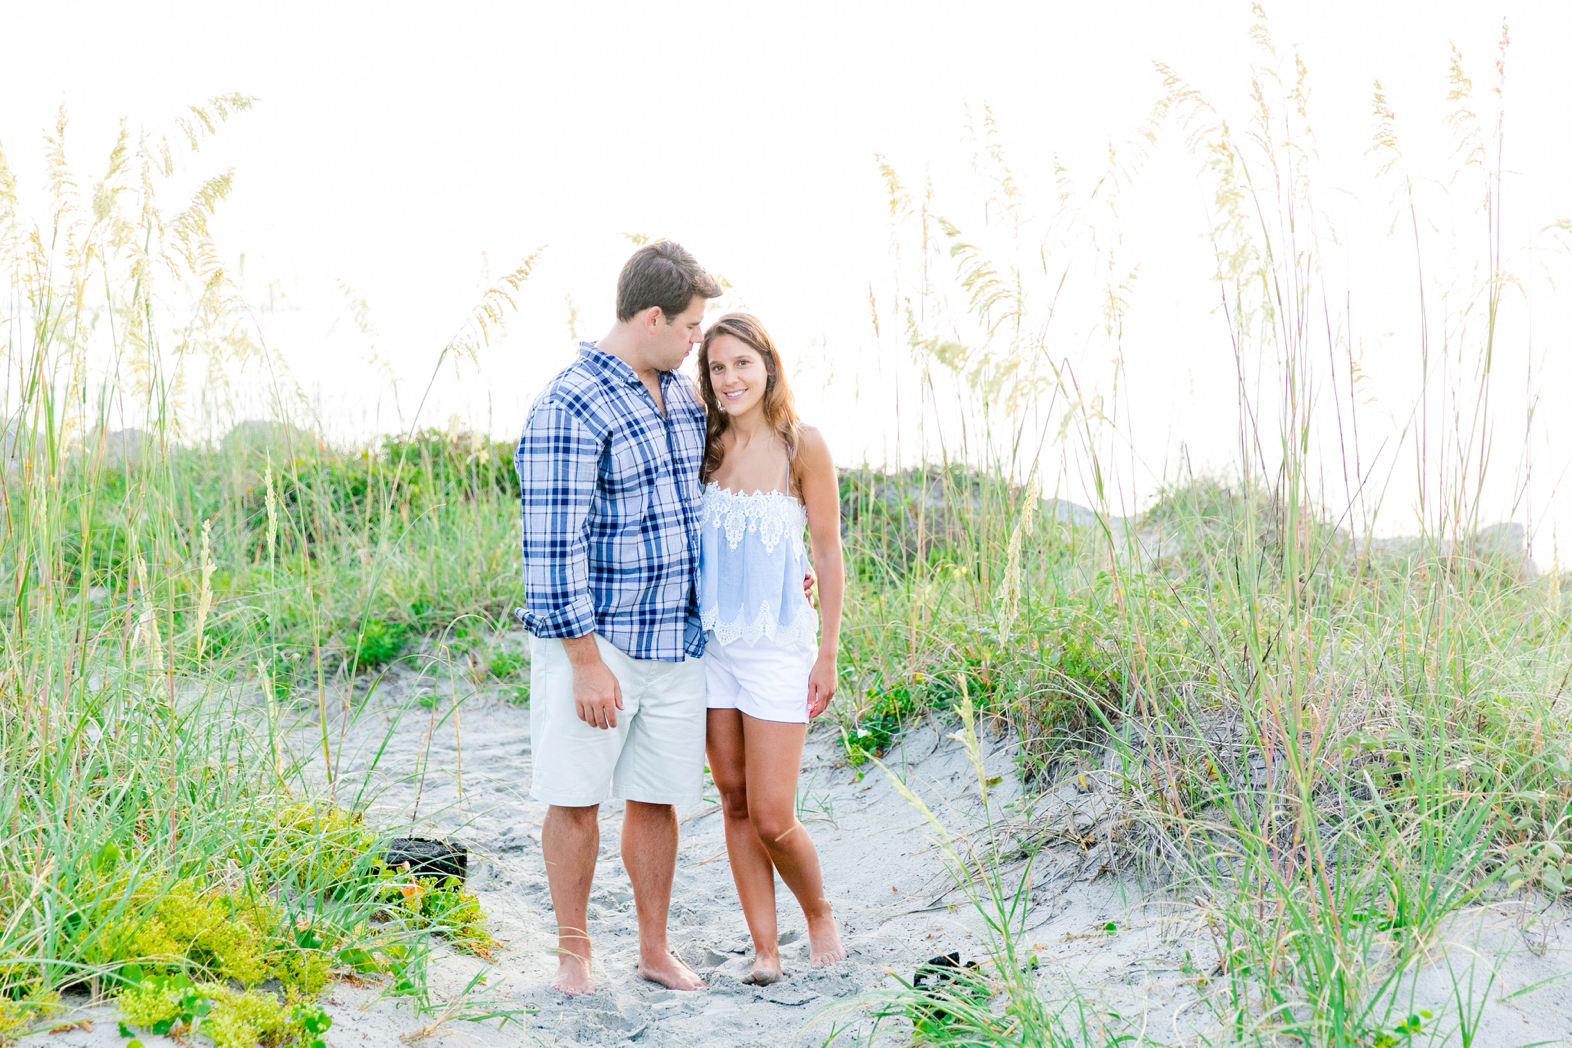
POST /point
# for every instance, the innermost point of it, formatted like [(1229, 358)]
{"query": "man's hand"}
[(596, 695), (810, 581)]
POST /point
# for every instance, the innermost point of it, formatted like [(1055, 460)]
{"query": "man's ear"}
[(652, 318)]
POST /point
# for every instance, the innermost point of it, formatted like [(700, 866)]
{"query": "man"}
[(609, 467)]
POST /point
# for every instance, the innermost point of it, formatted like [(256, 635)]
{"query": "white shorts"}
[(763, 679), (655, 753)]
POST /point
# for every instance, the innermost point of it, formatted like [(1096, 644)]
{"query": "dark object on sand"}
[(427, 858), (946, 981)]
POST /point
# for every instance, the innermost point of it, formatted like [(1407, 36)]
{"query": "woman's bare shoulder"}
[(811, 442), (813, 452)]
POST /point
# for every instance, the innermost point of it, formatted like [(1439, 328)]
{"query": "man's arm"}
[(557, 460)]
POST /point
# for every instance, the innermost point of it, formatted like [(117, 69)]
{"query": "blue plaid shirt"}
[(611, 509)]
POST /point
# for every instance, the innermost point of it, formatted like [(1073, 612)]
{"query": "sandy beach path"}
[(467, 776)]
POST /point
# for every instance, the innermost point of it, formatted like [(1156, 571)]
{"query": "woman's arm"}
[(821, 494)]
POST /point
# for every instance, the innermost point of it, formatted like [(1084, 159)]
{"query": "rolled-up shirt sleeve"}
[(557, 460)]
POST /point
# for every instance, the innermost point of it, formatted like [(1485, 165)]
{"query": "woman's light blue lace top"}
[(751, 564)]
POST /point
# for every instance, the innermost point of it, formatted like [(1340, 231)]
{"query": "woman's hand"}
[(822, 680)]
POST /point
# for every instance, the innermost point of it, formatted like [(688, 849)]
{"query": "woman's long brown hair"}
[(778, 409)]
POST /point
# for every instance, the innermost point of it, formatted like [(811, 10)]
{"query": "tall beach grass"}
[(1329, 746), (169, 603)]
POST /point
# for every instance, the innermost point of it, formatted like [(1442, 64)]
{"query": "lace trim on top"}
[(804, 629), (771, 514)]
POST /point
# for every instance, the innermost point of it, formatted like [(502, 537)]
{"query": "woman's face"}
[(737, 375)]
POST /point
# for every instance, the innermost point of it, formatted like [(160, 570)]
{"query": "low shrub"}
[(177, 1007)]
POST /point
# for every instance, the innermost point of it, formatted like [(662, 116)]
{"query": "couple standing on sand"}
[(666, 589)]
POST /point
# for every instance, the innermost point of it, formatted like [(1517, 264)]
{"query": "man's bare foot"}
[(671, 973), (573, 975), (764, 971), (824, 941)]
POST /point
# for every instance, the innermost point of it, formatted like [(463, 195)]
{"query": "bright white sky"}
[(402, 149)]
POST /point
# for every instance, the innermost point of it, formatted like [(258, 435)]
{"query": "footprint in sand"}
[(516, 839), (788, 992), (617, 899)]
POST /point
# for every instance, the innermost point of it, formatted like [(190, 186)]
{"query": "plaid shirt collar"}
[(614, 367), (617, 369)]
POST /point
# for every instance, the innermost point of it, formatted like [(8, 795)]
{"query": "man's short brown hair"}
[(662, 274)]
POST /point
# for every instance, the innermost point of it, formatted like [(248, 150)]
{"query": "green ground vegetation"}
[(1336, 745), (163, 616)]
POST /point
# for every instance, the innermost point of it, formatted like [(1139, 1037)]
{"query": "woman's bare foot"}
[(671, 973), (764, 970), (573, 975), (824, 941)]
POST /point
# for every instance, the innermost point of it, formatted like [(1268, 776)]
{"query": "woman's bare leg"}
[(750, 862), (772, 760)]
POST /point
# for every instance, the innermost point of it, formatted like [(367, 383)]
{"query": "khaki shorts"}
[(655, 753)]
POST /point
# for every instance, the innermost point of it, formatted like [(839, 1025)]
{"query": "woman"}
[(767, 670)]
